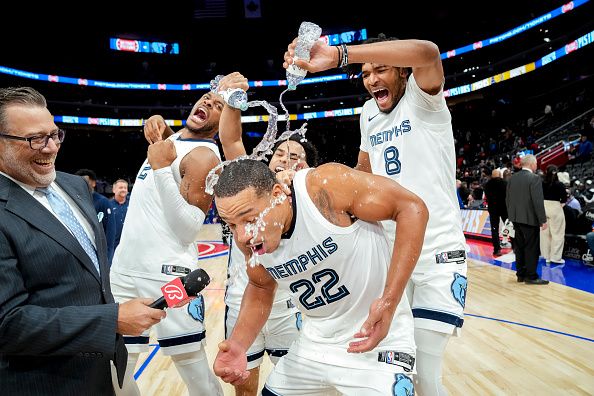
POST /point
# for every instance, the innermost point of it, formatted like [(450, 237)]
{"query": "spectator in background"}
[(103, 209), (584, 150), (460, 202), (525, 208), (464, 193), (552, 238), (119, 207), (475, 200), (495, 191)]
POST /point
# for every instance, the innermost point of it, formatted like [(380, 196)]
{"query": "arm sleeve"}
[(538, 199), (35, 330), (184, 219), (431, 109)]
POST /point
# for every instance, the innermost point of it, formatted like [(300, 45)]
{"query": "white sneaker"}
[(558, 262)]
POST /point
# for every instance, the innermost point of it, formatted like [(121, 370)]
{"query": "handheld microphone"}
[(179, 291)]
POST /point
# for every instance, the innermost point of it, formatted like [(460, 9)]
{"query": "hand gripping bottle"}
[(309, 33), (235, 97)]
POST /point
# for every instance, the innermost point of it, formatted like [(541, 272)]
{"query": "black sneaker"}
[(537, 281)]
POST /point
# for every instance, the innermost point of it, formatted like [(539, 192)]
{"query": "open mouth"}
[(44, 163), (258, 249), (200, 115), (381, 95), (279, 169)]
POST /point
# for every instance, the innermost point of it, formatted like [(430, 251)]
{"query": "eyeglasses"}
[(39, 142)]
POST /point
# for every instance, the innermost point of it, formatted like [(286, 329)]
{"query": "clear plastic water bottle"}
[(309, 33), (234, 97)]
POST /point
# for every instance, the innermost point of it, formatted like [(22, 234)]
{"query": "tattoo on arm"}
[(324, 205)]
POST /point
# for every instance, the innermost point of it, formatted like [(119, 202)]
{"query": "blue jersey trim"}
[(181, 139), (187, 339), (438, 316)]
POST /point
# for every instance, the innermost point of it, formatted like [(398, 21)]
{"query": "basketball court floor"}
[(517, 339)]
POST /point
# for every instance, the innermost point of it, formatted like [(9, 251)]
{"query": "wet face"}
[(35, 168), (288, 155), (385, 83), (120, 190), (205, 115), (241, 212)]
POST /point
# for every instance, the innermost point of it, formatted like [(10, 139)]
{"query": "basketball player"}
[(167, 209), (282, 326), (406, 135), (325, 247)]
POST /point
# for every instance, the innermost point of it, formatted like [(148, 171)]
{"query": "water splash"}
[(263, 148), (253, 228)]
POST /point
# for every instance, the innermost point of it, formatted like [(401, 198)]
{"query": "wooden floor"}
[(490, 358)]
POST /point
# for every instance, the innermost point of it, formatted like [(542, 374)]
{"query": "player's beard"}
[(207, 130)]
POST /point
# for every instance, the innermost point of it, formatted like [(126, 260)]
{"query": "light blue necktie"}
[(63, 210)]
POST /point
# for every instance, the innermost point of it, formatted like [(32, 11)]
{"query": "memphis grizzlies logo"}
[(196, 308), (459, 289), (403, 386), (298, 321)]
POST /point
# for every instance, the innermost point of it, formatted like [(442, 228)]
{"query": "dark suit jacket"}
[(525, 202), (495, 191), (58, 318)]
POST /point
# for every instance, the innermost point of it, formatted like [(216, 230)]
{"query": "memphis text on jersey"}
[(390, 134), (299, 264)]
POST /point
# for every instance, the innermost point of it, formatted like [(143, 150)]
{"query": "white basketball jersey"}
[(414, 145), (334, 274), (237, 282), (147, 242)]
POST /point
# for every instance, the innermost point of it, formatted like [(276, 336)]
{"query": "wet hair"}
[(18, 96), (87, 172), (311, 153), (243, 174), (353, 70)]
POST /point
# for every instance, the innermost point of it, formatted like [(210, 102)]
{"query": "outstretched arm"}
[(422, 56), (374, 198)]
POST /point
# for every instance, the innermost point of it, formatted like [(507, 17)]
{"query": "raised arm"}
[(230, 122), (184, 207), (422, 56), (156, 129), (373, 198)]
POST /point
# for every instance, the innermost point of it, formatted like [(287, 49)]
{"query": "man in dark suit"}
[(103, 208), (59, 325), (525, 207), (495, 191)]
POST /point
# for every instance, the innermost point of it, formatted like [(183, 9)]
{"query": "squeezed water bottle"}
[(234, 97), (309, 33)]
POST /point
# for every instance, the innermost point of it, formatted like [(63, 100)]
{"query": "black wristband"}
[(339, 56), (345, 55)]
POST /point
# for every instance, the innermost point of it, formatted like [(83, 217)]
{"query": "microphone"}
[(178, 292)]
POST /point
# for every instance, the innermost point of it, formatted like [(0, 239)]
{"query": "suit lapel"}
[(22, 204), (91, 216)]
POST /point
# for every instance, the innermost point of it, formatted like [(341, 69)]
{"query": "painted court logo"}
[(210, 249)]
